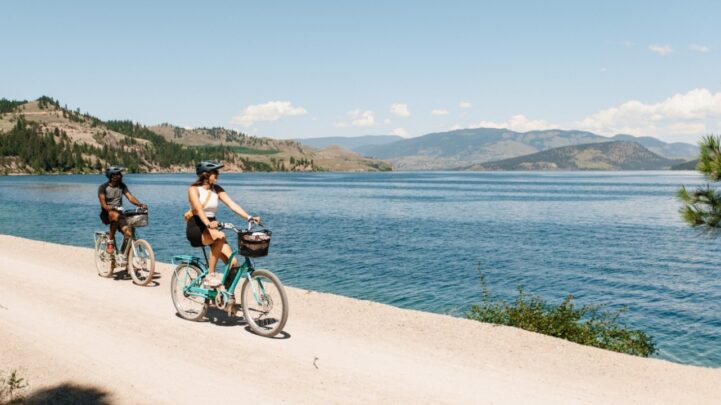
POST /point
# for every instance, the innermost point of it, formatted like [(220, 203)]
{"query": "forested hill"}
[(616, 155), (44, 137)]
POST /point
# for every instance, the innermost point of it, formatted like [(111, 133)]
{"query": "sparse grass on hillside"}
[(588, 325), (7, 106), (43, 136), (251, 151)]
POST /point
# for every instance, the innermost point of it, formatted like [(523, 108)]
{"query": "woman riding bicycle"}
[(202, 227)]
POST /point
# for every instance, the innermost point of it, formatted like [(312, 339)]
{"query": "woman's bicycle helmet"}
[(113, 170), (207, 165)]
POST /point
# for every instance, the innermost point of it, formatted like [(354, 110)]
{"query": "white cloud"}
[(662, 50), (400, 132), (455, 127), (682, 117), (400, 110), (270, 111), (358, 118), (628, 44), (519, 123), (699, 48), (439, 112), (679, 117), (465, 104), (604, 70), (387, 121)]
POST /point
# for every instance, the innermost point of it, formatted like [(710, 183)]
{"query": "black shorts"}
[(194, 230), (106, 219)]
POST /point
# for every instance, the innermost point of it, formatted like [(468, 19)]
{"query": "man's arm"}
[(103, 203), (134, 200)]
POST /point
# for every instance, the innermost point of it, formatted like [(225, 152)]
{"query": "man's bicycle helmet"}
[(113, 170), (207, 165)]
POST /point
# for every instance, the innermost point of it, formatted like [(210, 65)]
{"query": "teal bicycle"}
[(261, 297)]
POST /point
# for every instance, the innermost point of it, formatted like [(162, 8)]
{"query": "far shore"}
[(64, 327)]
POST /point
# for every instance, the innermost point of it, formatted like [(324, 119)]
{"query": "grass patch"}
[(588, 324), (250, 151), (9, 388)]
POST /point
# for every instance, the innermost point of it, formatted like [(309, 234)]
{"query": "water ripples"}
[(419, 240)]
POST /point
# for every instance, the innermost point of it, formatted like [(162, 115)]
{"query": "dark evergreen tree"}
[(702, 207)]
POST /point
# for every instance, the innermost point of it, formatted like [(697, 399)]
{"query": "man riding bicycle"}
[(110, 195)]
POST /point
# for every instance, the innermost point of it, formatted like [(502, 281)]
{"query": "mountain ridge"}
[(465, 147), (613, 155)]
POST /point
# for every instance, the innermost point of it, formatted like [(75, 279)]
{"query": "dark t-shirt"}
[(113, 195)]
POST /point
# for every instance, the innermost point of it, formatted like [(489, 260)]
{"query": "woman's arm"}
[(225, 198), (197, 206)]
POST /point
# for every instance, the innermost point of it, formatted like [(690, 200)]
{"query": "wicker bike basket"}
[(137, 218), (254, 243)]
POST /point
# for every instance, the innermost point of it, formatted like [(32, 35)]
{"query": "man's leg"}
[(113, 218)]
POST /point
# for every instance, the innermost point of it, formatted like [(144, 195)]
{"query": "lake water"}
[(418, 239)]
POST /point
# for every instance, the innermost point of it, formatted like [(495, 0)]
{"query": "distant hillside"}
[(690, 165), (465, 147), (616, 155), (675, 150), (357, 144), (44, 137)]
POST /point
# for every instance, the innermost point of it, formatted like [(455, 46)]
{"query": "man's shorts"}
[(106, 219)]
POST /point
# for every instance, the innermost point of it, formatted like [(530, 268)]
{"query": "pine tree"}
[(702, 207)]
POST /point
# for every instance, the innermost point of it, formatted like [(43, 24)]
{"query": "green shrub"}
[(9, 388), (588, 325)]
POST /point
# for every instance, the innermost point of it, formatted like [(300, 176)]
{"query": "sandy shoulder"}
[(61, 323)]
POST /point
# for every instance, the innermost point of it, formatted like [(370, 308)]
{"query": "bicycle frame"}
[(127, 240), (196, 287)]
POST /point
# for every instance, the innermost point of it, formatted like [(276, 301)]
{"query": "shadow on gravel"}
[(123, 275), (68, 394), (221, 318)]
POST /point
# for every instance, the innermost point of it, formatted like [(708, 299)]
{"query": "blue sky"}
[(347, 68)]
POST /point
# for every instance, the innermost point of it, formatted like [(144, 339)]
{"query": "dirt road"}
[(62, 324)]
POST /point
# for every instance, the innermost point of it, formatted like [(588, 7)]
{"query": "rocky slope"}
[(43, 137)]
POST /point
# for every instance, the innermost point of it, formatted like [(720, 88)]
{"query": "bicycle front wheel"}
[(264, 302), (104, 262), (190, 307), (141, 262)]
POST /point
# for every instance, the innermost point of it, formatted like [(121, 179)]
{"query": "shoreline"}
[(61, 323)]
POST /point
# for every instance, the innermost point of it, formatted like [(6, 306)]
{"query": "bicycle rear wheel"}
[(264, 303), (190, 307), (141, 262), (104, 262)]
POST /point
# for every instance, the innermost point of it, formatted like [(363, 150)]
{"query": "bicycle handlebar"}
[(138, 210), (228, 225)]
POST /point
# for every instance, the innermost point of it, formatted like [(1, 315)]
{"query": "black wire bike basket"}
[(136, 218), (254, 243)]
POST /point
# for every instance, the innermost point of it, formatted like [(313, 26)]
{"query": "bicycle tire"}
[(142, 274), (103, 263), (188, 307), (258, 314)]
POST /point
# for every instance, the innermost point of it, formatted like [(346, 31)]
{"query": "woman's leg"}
[(216, 247), (225, 254)]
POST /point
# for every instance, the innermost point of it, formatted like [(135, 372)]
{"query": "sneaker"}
[(212, 280)]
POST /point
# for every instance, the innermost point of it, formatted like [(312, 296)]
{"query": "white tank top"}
[(211, 207)]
